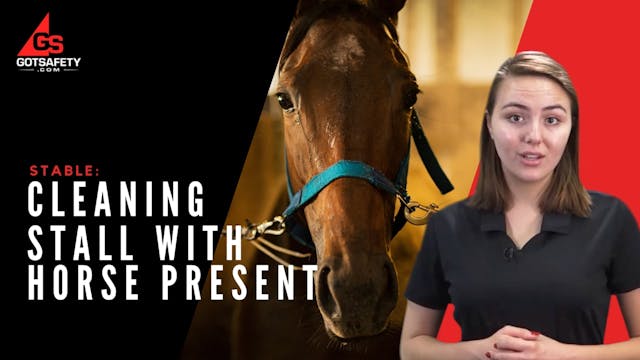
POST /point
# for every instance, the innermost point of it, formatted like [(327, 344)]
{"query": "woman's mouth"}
[(531, 158)]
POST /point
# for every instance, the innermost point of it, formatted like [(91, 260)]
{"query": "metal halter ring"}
[(411, 206), (273, 227)]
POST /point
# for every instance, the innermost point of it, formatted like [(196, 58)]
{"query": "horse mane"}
[(333, 9)]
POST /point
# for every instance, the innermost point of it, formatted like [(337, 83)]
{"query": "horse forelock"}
[(334, 9), (348, 52)]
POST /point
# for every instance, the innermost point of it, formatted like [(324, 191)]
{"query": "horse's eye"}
[(410, 98), (285, 102)]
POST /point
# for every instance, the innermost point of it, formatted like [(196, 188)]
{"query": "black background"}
[(166, 91)]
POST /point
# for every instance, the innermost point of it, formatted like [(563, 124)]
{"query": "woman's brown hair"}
[(565, 193)]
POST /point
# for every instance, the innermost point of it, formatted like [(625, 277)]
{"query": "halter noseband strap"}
[(361, 170), (342, 168)]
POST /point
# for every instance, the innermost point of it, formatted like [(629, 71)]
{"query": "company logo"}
[(36, 53)]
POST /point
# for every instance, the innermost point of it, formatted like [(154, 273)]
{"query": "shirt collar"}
[(492, 221), (552, 222), (556, 222)]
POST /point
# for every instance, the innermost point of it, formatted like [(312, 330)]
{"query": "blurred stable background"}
[(454, 48)]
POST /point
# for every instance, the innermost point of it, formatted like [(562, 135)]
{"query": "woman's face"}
[(530, 126)]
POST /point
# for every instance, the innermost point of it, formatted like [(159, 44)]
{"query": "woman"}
[(531, 259)]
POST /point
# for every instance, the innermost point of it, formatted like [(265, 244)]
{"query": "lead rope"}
[(253, 233)]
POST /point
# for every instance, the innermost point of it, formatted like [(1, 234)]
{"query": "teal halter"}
[(361, 170)]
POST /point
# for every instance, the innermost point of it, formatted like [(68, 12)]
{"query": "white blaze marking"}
[(347, 52)]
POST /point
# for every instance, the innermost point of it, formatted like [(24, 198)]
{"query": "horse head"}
[(347, 93)]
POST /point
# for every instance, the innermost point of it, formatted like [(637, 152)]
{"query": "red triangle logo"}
[(28, 49)]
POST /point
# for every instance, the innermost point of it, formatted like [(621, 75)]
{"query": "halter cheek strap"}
[(429, 159)]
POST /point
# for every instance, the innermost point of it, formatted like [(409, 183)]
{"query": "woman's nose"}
[(532, 133)]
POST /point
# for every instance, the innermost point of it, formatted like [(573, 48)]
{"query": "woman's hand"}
[(514, 343)]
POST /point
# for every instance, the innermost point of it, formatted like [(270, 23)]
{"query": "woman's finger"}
[(519, 332), (513, 343)]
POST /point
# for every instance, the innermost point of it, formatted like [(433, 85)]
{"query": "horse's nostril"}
[(325, 271), (392, 283), (325, 298)]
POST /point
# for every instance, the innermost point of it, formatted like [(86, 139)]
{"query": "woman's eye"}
[(285, 102), (552, 120), (515, 118)]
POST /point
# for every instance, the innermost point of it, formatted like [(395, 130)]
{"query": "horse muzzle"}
[(356, 294)]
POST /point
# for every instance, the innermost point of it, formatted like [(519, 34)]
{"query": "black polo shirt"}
[(559, 283)]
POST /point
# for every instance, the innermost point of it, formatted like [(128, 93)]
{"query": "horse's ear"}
[(305, 5), (388, 8)]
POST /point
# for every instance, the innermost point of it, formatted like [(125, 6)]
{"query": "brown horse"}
[(346, 93)]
